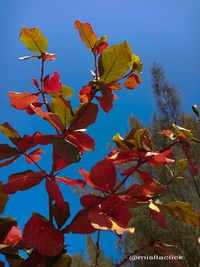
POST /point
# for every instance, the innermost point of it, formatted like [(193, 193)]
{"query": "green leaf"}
[(114, 62), (62, 108), (3, 199), (34, 40), (10, 132)]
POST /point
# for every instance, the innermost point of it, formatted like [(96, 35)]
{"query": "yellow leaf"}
[(183, 211), (153, 206)]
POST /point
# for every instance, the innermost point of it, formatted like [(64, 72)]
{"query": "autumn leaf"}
[(183, 211), (81, 140), (69, 181), (22, 101), (10, 132), (132, 81), (106, 100), (59, 215), (13, 236), (84, 116), (34, 156), (3, 198), (63, 109), (7, 151), (86, 33), (22, 181), (53, 84), (64, 153), (55, 193), (114, 62), (34, 40), (157, 215), (51, 117), (29, 141), (42, 236)]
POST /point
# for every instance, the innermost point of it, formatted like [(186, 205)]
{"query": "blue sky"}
[(163, 31)]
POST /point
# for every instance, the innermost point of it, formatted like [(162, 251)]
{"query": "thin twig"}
[(97, 249)]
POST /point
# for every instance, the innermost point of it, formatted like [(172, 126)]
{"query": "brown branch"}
[(97, 249)]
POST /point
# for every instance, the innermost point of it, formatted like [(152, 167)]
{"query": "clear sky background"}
[(167, 32)]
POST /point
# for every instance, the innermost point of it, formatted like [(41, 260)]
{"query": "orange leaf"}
[(132, 81), (22, 100)]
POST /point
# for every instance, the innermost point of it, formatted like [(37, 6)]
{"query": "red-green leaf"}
[(86, 33), (22, 181), (64, 153), (52, 118), (34, 40), (39, 234), (84, 116), (7, 151), (22, 100), (10, 132)]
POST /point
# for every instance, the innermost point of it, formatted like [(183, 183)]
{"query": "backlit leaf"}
[(132, 81), (183, 211), (39, 234), (10, 132), (55, 193), (84, 116), (22, 100), (114, 62), (62, 108), (59, 215), (64, 153), (52, 84), (69, 181), (34, 156), (22, 181), (34, 40), (51, 117), (86, 33), (3, 199), (7, 151)]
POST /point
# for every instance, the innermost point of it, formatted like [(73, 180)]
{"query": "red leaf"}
[(120, 157), (69, 181), (81, 140), (22, 100), (54, 193), (85, 116), (48, 56), (52, 118), (145, 176), (40, 235), (53, 84), (30, 111), (34, 156), (13, 236), (35, 82), (158, 217), (89, 201), (102, 176), (102, 46), (8, 162), (132, 81), (160, 159), (29, 141), (106, 100), (85, 94), (22, 181)]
